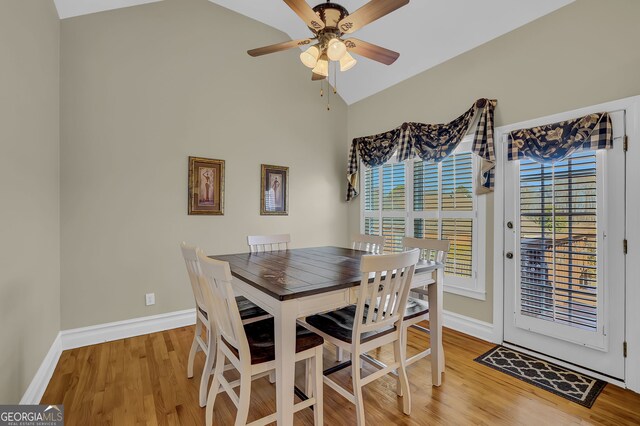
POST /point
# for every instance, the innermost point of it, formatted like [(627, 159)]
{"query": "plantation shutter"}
[(558, 228), (426, 186), (457, 183), (372, 189), (393, 188), (393, 205), (456, 197), (443, 194)]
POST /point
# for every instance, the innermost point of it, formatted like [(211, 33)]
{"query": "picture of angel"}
[(207, 179), (274, 190), (206, 186)]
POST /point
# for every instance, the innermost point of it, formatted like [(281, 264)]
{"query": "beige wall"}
[(142, 89), (29, 190), (137, 90), (580, 55)]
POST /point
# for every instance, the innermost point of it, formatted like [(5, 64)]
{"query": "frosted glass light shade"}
[(310, 56), (322, 67), (347, 62), (336, 49)]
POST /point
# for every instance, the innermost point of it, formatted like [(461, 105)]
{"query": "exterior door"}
[(564, 266)]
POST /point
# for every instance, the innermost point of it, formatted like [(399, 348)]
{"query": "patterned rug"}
[(568, 384)]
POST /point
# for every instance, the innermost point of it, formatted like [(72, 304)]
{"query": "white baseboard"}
[(78, 337), (84, 336), (467, 325), (108, 332), (38, 385)]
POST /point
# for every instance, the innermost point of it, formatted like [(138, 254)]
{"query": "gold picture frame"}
[(206, 186), (274, 190)]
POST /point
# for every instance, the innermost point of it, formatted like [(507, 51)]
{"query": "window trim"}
[(478, 215)]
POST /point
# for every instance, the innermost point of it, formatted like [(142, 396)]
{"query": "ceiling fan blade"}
[(304, 11), (371, 51), (278, 47), (316, 77), (368, 13)]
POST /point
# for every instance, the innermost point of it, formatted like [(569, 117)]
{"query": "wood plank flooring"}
[(142, 381)]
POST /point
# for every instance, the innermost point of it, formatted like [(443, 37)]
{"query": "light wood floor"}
[(142, 380)]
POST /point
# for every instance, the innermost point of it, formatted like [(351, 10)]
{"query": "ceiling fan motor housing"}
[(331, 14)]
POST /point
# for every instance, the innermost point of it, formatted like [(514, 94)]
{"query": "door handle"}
[(509, 255)]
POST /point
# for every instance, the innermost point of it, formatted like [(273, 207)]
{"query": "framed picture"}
[(274, 190), (206, 186)]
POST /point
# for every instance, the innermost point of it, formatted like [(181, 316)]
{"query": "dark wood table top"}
[(295, 273)]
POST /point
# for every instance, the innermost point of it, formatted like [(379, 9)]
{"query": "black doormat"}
[(568, 384)]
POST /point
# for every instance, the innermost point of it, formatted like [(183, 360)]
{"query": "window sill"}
[(466, 292)]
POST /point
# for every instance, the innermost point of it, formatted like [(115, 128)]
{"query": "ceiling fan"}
[(329, 22)]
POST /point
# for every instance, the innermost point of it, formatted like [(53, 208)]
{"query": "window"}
[(431, 200)]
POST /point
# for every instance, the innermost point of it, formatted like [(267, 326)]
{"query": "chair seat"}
[(260, 335), (415, 308), (339, 324), (247, 308)]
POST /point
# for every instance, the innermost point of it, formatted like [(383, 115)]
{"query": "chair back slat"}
[(265, 243), (371, 295), (389, 303), (431, 250), (221, 300), (190, 255), (384, 290), (370, 243), (387, 298)]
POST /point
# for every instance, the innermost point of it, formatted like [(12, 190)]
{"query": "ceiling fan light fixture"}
[(322, 67), (336, 49), (310, 56), (347, 62)]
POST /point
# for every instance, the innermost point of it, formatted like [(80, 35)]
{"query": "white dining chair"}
[(417, 308), (250, 348), (371, 243), (374, 321), (263, 243), (248, 312)]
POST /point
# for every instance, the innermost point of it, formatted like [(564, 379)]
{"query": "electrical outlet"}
[(150, 299)]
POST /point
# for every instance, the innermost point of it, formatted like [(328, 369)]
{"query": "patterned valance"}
[(434, 142), (430, 142), (555, 142)]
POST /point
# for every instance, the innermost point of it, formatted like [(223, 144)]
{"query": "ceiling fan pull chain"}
[(321, 88), (335, 79)]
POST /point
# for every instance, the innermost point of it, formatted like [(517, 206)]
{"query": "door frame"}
[(632, 269)]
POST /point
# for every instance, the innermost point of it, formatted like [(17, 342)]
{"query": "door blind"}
[(558, 240)]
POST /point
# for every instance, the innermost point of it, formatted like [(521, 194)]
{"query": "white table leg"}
[(435, 325), (285, 334)]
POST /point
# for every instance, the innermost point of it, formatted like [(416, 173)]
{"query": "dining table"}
[(295, 283)]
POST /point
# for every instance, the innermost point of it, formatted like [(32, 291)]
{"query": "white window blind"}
[(444, 192), (558, 227), (393, 187), (429, 200), (385, 203)]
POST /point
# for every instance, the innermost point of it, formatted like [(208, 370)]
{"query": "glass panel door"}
[(564, 261)]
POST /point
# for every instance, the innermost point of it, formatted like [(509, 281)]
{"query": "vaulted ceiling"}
[(424, 32)]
